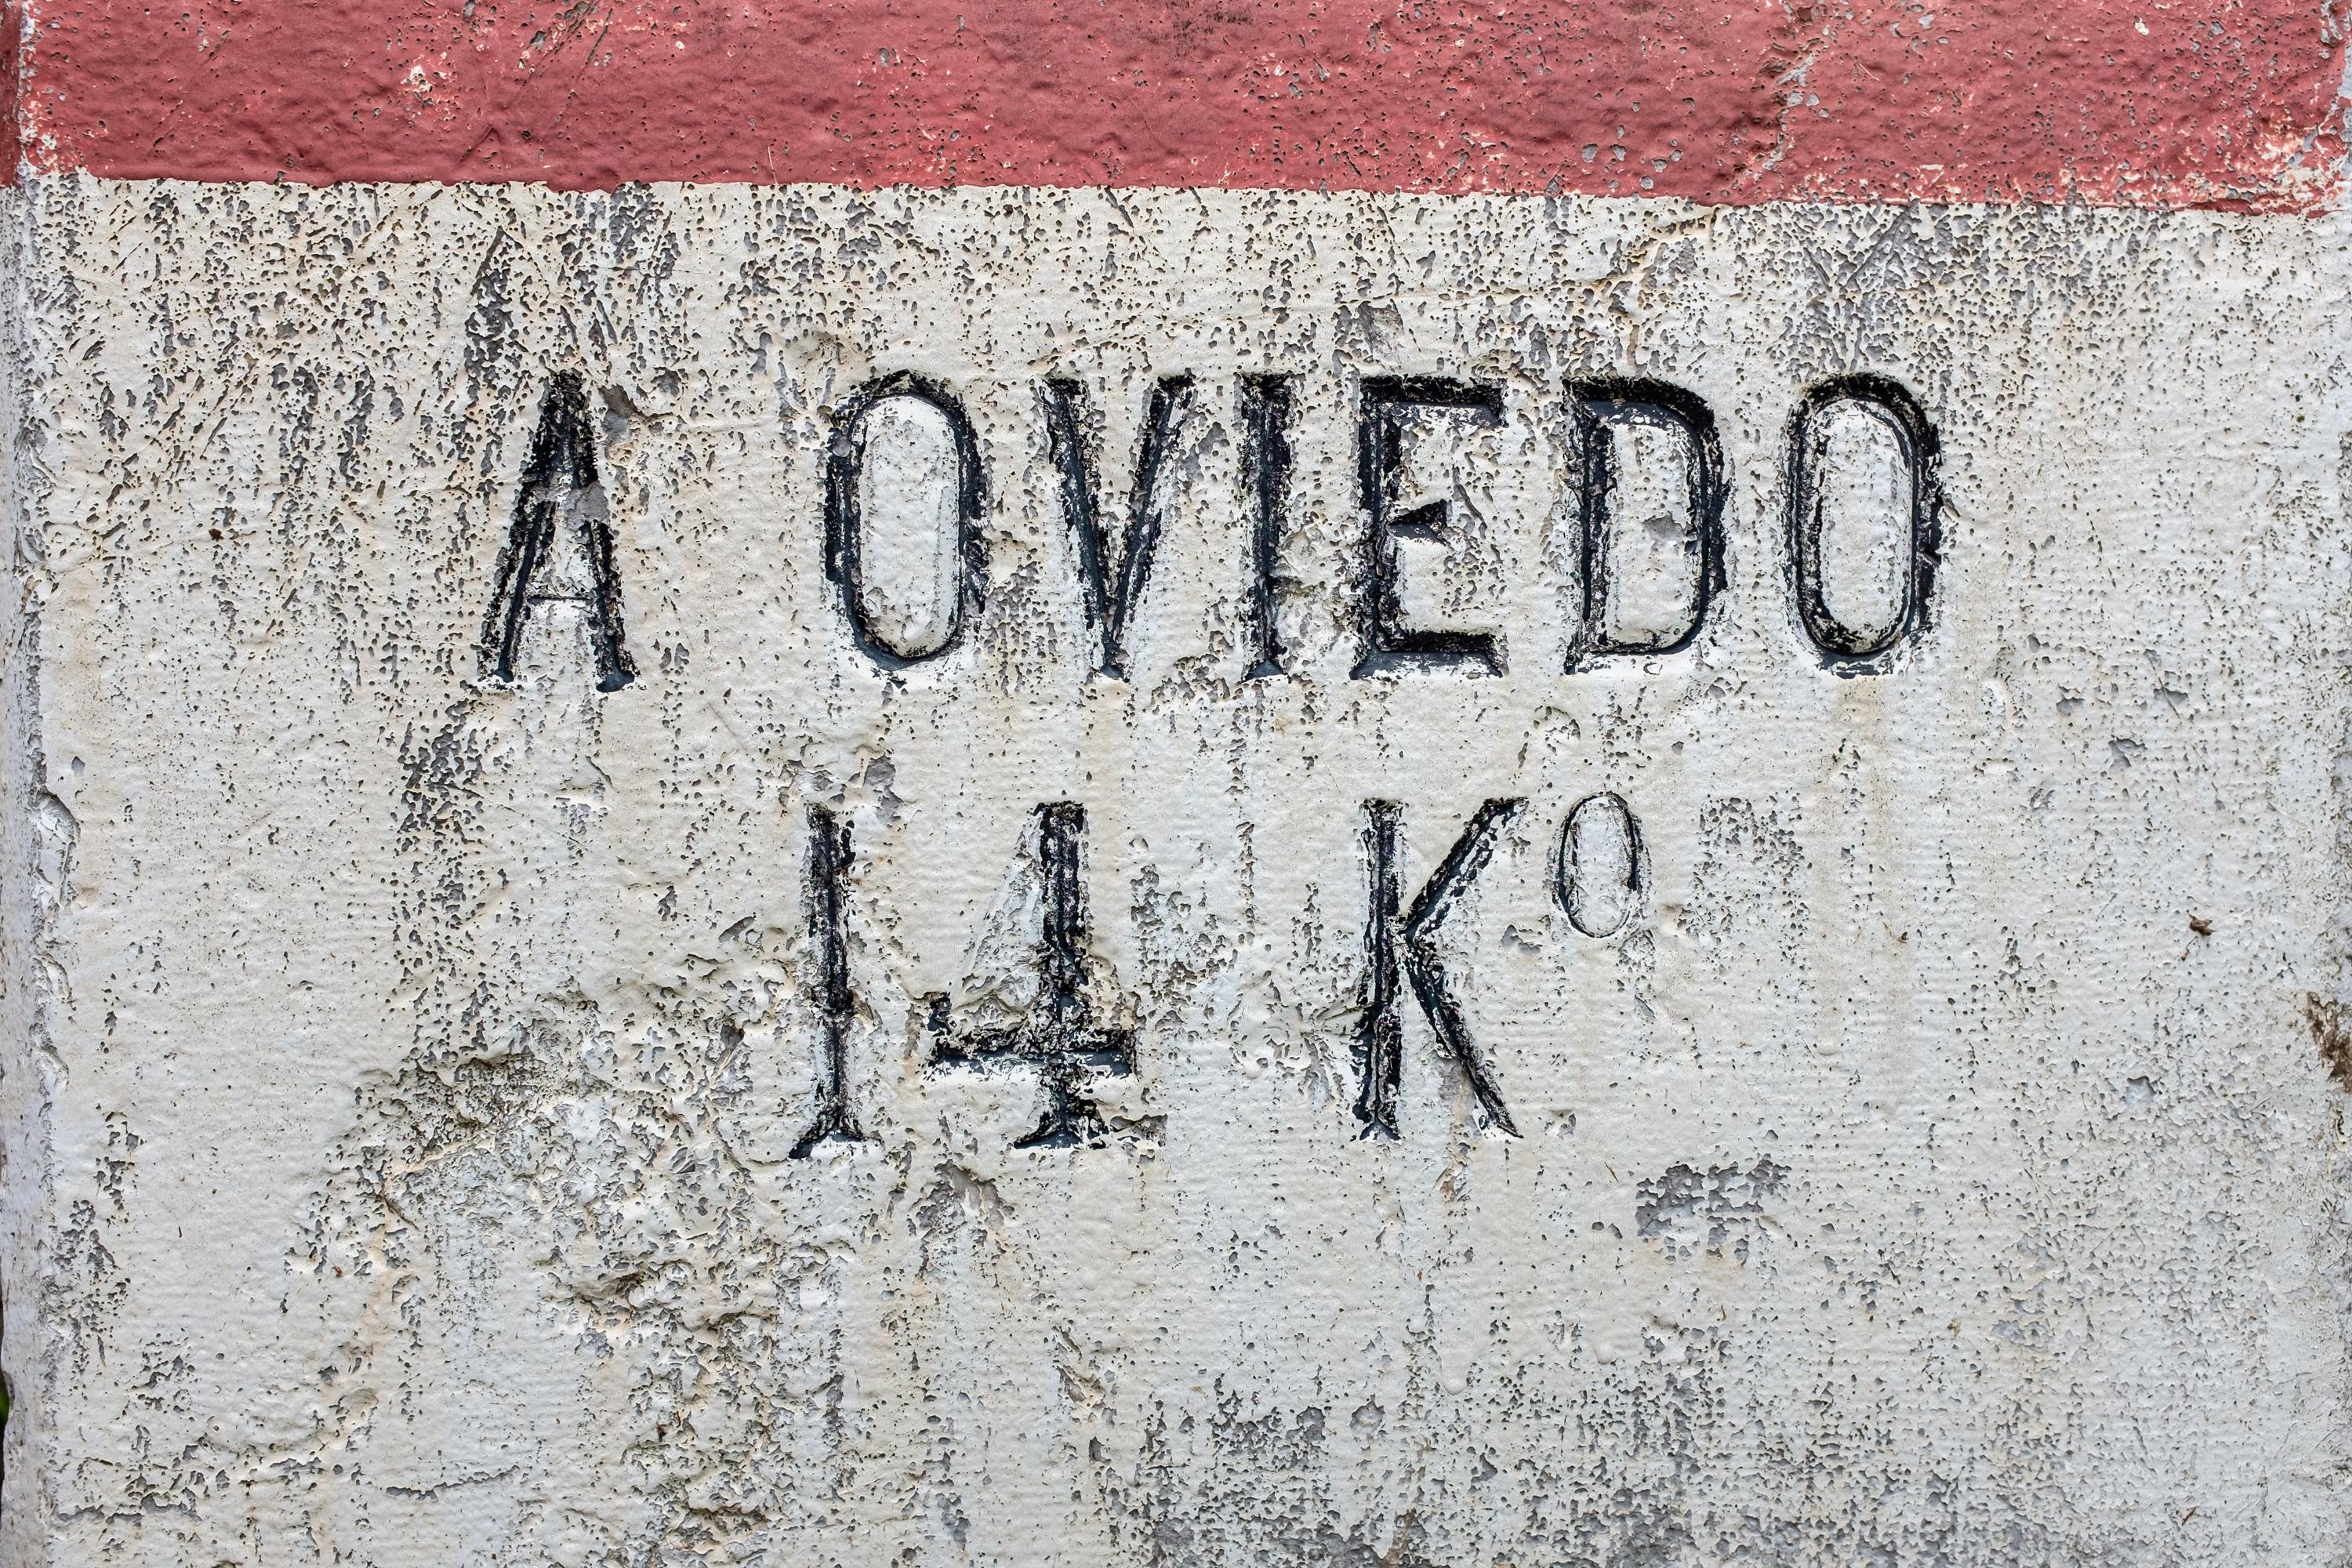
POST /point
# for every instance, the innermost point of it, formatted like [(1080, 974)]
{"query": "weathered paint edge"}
[(2214, 104)]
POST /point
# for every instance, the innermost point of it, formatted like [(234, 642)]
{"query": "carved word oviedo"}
[(1861, 537)]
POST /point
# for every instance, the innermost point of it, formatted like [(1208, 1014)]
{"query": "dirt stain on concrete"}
[(2331, 1031)]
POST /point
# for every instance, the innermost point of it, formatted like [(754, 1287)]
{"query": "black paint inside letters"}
[(1600, 405), (1389, 645), (561, 468), (1059, 1038), (1409, 948), (1564, 867), (844, 467), (1843, 649), (828, 869), (1265, 477), (1110, 601)]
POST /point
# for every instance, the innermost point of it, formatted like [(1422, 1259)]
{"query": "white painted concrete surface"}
[(1940, 1165)]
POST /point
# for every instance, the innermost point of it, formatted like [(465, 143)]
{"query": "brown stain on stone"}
[(2331, 1031)]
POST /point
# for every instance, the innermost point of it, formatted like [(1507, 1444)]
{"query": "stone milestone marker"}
[(1079, 785)]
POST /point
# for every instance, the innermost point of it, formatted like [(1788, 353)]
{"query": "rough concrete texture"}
[(1940, 1163)]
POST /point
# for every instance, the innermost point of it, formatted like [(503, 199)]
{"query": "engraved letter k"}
[(1412, 945)]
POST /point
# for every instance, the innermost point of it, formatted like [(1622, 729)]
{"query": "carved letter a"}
[(561, 549)]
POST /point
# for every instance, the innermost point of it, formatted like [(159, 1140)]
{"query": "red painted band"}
[(2209, 103)]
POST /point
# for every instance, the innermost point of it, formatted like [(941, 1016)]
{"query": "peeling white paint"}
[(1939, 1165)]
